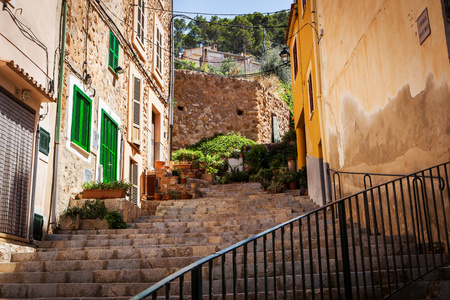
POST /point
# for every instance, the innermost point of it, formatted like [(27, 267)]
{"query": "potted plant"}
[(303, 180), (183, 179), (104, 190), (172, 194), (159, 164), (438, 247), (158, 194)]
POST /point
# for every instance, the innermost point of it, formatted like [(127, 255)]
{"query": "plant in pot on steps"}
[(159, 195), (172, 194), (104, 190), (90, 211), (303, 181)]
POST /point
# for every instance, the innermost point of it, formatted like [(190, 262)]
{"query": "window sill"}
[(135, 147), (116, 76), (80, 150)]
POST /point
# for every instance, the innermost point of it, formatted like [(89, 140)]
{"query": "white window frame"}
[(158, 50), (139, 43), (131, 124)]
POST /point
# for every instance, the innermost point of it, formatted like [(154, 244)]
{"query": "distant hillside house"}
[(210, 55), (209, 104)]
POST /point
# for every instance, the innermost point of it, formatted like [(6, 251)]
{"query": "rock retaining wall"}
[(209, 104)]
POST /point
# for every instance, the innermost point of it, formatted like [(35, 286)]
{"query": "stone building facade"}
[(209, 104), (114, 120)]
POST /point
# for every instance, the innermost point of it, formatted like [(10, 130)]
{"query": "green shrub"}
[(275, 186), (235, 176), (115, 220), (93, 209), (222, 144), (187, 155), (71, 212), (99, 185)]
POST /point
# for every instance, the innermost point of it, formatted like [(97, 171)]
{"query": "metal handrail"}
[(404, 217)]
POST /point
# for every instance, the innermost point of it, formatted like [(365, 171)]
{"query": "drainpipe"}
[(54, 197), (33, 188), (171, 85)]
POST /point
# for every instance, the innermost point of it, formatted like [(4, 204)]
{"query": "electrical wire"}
[(113, 27), (211, 14), (233, 25), (29, 34)]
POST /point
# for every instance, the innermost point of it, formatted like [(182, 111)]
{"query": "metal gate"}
[(16, 146)]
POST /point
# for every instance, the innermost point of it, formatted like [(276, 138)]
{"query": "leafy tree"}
[(179, 29)]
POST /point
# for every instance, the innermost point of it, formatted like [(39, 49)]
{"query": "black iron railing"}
[(366, 246)]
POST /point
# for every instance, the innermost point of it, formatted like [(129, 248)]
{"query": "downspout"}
[(33, 188), (54, 197), (172, 82)]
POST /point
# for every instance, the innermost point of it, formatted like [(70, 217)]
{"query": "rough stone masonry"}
[(208, 104)]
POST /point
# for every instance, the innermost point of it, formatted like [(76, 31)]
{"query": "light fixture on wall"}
[(285, 56), (119, 70)]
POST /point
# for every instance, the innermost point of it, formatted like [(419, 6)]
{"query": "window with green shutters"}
[(108, 147), (44, 141), (81, 119), (113, 61)]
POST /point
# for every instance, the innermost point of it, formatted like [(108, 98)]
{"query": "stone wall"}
[(209, 104), (87, 50)]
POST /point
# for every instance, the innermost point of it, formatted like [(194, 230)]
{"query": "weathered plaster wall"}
[(210, 105), (385, 95)]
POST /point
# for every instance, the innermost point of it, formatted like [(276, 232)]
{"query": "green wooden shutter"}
[(81, 119), (44, 141), (108, 147), (113, 59)]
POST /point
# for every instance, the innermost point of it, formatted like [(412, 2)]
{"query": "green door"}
[(108, 147)]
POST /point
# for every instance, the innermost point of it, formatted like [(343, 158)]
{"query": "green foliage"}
[(257, 158), (71, 212), (275, 186), (90, 210), (235, 176), (287, 97), (222, 144), (230, 67), (115, 220), (93, 209), (173, 194), (188, 155), (231, 39), (183, 64), (290, 137), (113, 185), (272, 60), (302, 178), (96, 209)]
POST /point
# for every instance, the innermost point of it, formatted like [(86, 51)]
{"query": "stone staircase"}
[(117, 264)]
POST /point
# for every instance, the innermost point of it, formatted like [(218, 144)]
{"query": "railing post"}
[(345, 251), (196, 283)]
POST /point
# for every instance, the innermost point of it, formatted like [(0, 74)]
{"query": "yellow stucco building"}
[(370, 83)]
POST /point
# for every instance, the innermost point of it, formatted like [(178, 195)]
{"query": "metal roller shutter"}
[(16, 145)]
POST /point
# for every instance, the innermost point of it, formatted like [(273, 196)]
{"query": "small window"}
[(181, 108), (44, 141), (113, 61), (140, 21), (158, 50), (311, 95), (81, 119), (294, 54), (240, 112), (134, 181)]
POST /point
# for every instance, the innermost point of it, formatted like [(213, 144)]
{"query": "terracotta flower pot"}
[(167, 197), (103, 194), (182, 180), (158, 196), (293, 185), (185, 196), (159, 164)]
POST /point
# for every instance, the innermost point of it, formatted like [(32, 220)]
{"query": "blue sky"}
[(231, 6)]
